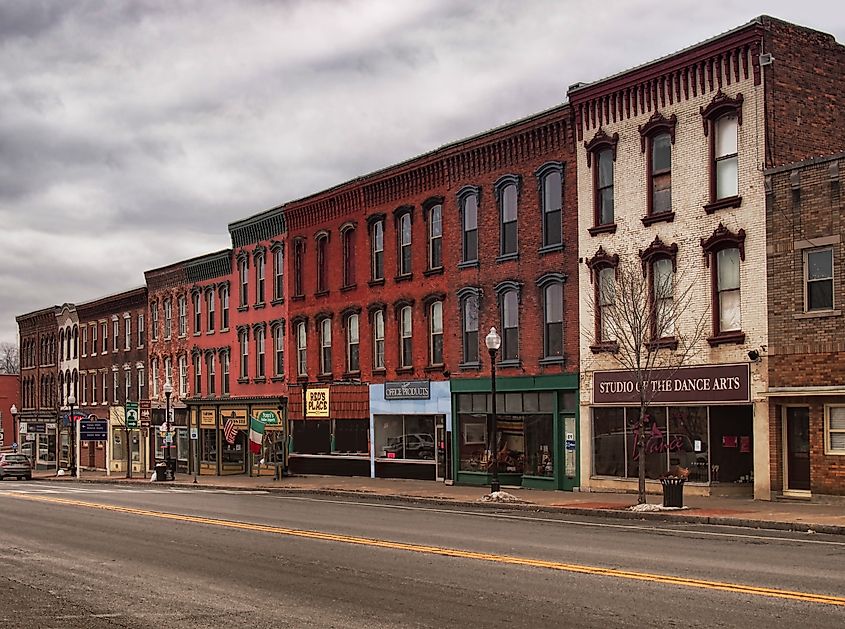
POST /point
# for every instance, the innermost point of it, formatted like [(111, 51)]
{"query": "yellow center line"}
[(453, 552)]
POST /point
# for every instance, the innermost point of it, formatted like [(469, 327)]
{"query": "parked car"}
[(17, 465), (413, 446)]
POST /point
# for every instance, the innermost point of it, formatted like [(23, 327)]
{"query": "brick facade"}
[(10, 395), (806, 354)]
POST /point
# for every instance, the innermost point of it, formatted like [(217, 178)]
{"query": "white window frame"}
[(115, 324), (828, 450), (140, 330), (325, 345), (127, 331), (182, 303), (806, 256), (378, 339), (183, 376), (301, 349)]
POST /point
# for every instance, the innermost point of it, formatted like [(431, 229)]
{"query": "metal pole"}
[(167, 433), (128, 450), (71, 438), (494, 482), (78, 447)]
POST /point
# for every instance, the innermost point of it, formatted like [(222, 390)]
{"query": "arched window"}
[(509, 304), (404, 239), (468, 203), (260, 351), (435, 236), (279, 350), (348, 240), (469, 325), (603, 275), (259, 278), (183, 315), (551, 285), (322, 262)]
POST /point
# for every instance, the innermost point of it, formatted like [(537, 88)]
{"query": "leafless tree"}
[(9, 358), (645, 324)]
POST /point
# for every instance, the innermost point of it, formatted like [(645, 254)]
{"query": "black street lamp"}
[(15, 435), (168, 390), (494, 342), (74, 470)]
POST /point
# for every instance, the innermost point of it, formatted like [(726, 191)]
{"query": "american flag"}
[(230, 431)]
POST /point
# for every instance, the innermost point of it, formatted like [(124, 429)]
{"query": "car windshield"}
[(16, 458)]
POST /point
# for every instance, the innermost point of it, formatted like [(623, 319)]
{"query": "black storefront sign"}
[(408, 390), (93, 430), (38, 428), (706, 384)]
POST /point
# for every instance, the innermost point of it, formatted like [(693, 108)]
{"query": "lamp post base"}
[(495, 487)]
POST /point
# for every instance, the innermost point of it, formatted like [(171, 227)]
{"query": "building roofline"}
[(812, 161)]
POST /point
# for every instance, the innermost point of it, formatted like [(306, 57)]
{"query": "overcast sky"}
[(132, 133)]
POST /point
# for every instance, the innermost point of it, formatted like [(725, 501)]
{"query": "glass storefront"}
[(712, 442), (331, 436), (404, 437)]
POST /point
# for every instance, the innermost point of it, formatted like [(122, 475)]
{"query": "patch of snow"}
[(500, 496), (646, 507), (61, 472)]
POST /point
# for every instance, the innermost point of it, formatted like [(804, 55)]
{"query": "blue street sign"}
[(93, 430)]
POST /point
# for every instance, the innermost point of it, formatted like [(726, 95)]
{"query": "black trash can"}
[(673, 492), (161, 471), (171, 469)]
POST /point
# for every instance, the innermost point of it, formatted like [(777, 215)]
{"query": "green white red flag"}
[(256, 435)]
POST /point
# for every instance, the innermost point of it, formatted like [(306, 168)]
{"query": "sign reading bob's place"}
[(408, 390), (686, 385), (317, 402)]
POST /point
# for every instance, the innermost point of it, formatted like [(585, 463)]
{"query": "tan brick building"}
[(670, 178), (806, 350)]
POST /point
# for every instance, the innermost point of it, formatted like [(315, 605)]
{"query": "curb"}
[(617, 514)]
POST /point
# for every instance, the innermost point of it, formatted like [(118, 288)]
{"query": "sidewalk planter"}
[(673, 492)]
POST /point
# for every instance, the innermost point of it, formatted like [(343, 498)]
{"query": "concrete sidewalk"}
[(794, 515)]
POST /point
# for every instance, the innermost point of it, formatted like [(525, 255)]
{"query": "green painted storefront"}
[(537, 431)]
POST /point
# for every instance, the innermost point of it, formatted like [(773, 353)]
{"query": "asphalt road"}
[(99, 556)]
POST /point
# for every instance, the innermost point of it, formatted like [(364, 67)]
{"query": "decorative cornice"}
[(600, 142), (550, 278), (720, 105), (655, 125), (656, 250), (601, 260), (722, 238)]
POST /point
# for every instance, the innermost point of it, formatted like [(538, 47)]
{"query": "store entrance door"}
[(440, 445), (797, 427)]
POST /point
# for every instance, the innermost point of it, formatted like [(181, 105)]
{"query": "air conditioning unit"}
[(766, 59)]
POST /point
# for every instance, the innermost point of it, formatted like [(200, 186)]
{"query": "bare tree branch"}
[(9, 358)]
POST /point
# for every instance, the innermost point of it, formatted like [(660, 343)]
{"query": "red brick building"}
[(10, 395), (112, 371), (806, 353), (39, 407)]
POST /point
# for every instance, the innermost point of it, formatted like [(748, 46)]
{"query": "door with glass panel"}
[(797, 450), (440, 446)]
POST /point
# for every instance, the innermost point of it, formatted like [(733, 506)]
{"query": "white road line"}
[(523, 518)]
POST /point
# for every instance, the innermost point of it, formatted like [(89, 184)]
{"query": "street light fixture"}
[(494, 342), (74, 468), (14, 412), (168, 390)]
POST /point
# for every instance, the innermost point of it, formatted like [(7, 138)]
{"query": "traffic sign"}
[(132, 415), (93, 430)]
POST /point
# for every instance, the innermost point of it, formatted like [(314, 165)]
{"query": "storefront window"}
[(208, 449), (609, 441), (688, 441), (404, 437), (656, 442), (46, 449), (118, 445), (312, 436), (351, 436), (474, 441), (539, 435), (182, 444)]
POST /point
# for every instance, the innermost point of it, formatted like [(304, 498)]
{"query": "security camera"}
[(754, 356)]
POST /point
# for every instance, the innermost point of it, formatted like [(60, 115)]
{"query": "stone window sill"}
[(243, 308), (506, 257), (261, 380), (374, 283), (723, 204), (817, 314), (509, 364), (661, 217), (278, 301), (434, 368), (403, 278), (473, 366), (349, 287), (325, 377), (260, 304), (430, 272), (279, 378), (468, 264), (551, 248), (553, 360), (669, 342), (727, 338), (404, 370), (602, 229), (610, 347)]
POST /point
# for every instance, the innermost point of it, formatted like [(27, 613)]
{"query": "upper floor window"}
[(551, 285), (435, 333), (153, 321), (663, 296), (168, 318), (127, 382), (260, 349), (435, 236), (510, 324), (278, 272), (656, 139), (348, 241), (468, 202), (259, 278), (243, 340), (550, 181), (601, 158), (301, 349), (279, 350), (197, 299), (326, 346), (104, 328), (197, 373), (603, 276), (298, 254), (353, 364), (93, 339), (127, 333), (183, 376), (141, 330), (168, 370), (209, 309), (818, 279), (469, 325), (243, 270), (224, 307), (76, 342), (378, 339), (211, 373), (724, 251), (153, 374), (183, 315), (322, 262), (142, 378), (84, 341), (722, 119), (115, 334), (405, 244), (377, 246), (405, 335), (508, 215), (224, 372)]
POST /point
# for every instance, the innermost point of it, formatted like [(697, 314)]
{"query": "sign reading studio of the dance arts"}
[(408, 390), (687, 385)]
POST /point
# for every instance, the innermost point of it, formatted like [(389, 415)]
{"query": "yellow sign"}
[(207, 417), (317, 402), (239, 415)]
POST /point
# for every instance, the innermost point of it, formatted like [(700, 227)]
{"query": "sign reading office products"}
[(706, 385), (408, 390)]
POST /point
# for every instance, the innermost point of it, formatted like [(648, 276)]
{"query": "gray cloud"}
[(132, 133)]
